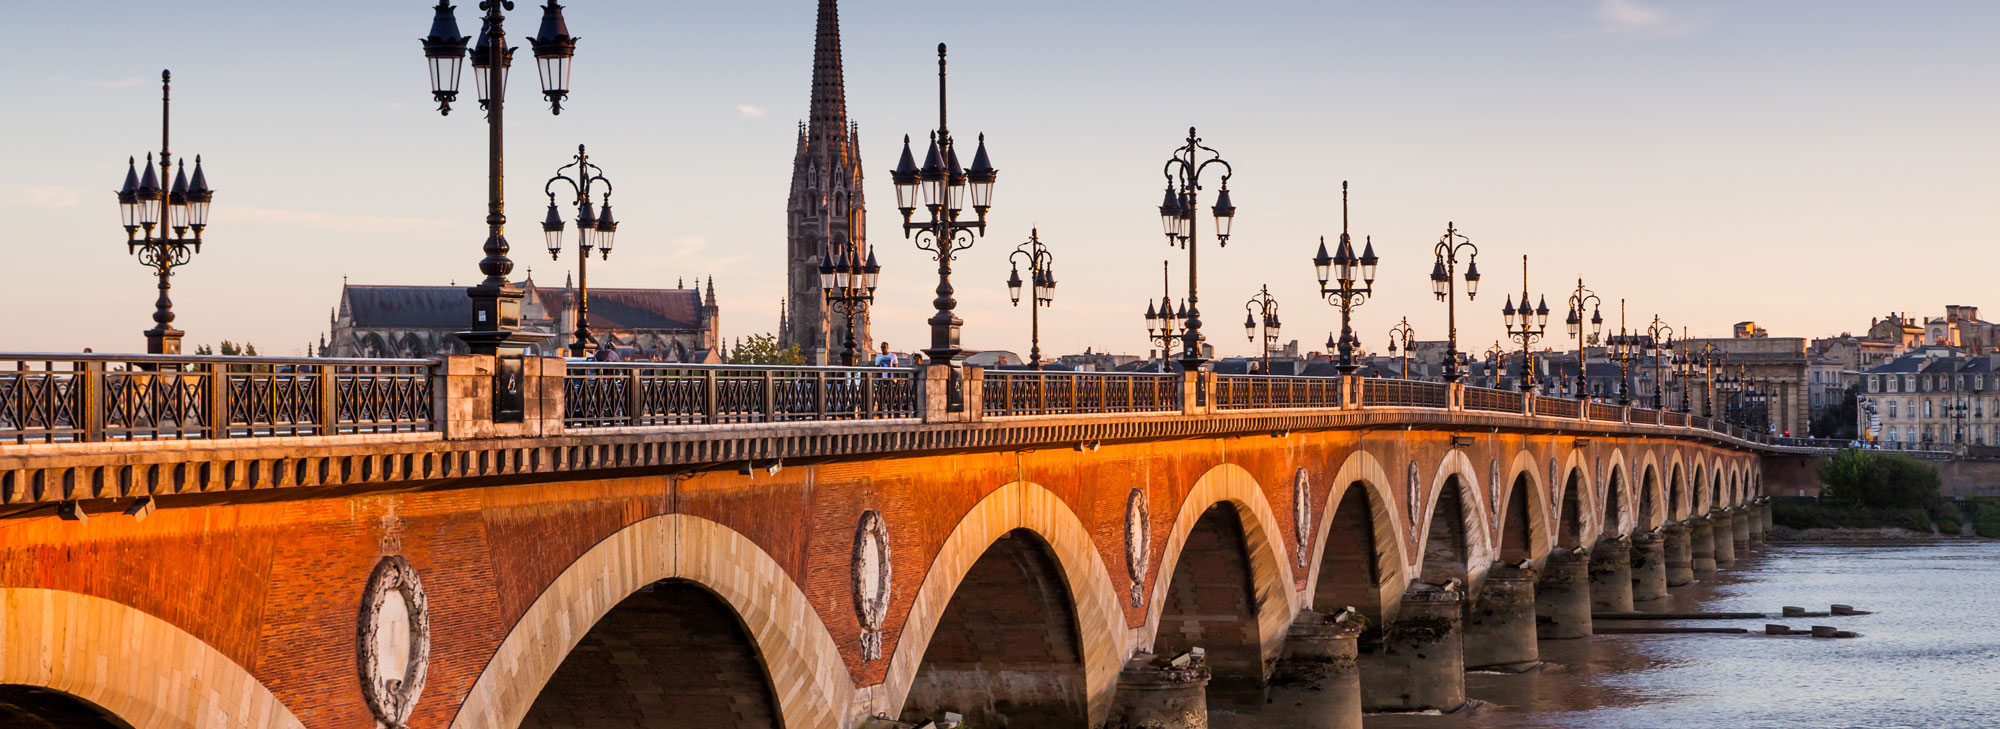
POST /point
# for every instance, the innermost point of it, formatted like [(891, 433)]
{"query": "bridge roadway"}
[(229, 542)]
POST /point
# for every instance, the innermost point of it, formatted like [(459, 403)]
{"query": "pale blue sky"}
[(1804, 163)]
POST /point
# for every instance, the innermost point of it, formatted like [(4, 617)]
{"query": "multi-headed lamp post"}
[(1177, 219), (1579, 300), (1625, 347), (1163, 322), (847, 281), (1443, 285), (595, 228), (1407, 336), (1353, 281), (1526, 325), (1042, 284), (496, 302), (1261, 312), (144, 204), (942, 184), (1660, 339)]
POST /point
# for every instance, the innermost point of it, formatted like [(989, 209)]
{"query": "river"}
[(1928, 657)]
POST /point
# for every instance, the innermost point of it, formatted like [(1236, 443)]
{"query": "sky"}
[(1806, 164)]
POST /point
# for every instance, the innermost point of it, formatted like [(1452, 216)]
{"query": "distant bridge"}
[(268, 542)]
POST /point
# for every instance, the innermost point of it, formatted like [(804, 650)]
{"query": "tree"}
[(1838, 422), (1878, 480), (762, 349), (229, 349)]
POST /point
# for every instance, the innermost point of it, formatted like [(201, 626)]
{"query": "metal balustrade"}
[(618, 394), (1674, 419), (1645, 417), (1405, 393), (1558, 407), (1610, 413), (1491, 400), (1044, 392), (1247, 392), (85, 398)]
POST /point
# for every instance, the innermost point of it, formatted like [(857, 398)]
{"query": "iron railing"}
[(1046, 392), (1601, 411), (1491, 400), (1558, 407), (1247, 392), (87, 398), (1674, 419), (1645, 417), (1405, 393), (618, 394)]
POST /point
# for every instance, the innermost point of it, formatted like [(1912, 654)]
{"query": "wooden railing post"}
[(93, 407)]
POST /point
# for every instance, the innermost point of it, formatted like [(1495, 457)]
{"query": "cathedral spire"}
[(829, 88)]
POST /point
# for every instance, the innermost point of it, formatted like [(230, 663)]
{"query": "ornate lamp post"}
[(1341, 268), (1163, 322), (1578, 301), (1041, 273), (1403, 332), (496, 303), (1177, 219), (145, 203), (1495, 356), (1526, 326), (1262, 311), (595, 228), (1660, 346), (1624, 348), (943, 185), (1446, 252), (847, 282)]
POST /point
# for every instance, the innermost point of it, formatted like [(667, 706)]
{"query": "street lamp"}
[(144, 203), (1262, 311), (847, 281), (1163, 322), (1578, 300), (595, 228), (496, 302), (1442, 285), (1177, 217), (1042, 278), (1526, 325), (942, 185), (1660, 341), (1624, 348), (1407, 336), (1344, 269)]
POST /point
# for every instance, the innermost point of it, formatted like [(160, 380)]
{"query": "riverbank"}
[(1781, 533)]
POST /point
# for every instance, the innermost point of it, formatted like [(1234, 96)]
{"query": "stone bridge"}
[(227, 542)]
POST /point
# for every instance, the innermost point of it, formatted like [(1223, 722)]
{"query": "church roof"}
[(634, 308), (446, 307), (408, 307)]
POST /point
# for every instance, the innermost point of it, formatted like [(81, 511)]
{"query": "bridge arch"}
[(1525, 500), (1576, 521), (128, 664), (1698, 488), (1020, 505), (808, 679), (1676, 469), (1653, 506), (1358, 515), (1224, 503), (1715, 485), (1455, 486), (1620, 497)]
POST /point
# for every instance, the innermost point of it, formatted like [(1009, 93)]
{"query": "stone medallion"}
[(1555, 489), (1302, 513), (1416, 500), (872, 575), (394, 644), (1493, 489), (1138, 541)]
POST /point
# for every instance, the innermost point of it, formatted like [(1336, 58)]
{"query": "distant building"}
[(1932, 398), (667, 325), (1778, 364)]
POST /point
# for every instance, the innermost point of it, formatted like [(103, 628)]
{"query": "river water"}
[(1928, 657)]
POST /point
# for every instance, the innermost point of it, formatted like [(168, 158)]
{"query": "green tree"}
[(229, 349), (1878, 480), (762, 349), (1839, 422)]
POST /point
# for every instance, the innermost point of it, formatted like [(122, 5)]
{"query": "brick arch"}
[(1618, 475), (1270, 581), (1715, 482), (804, 666), (1100, 622), (1541, 530), (1677, 480), (1698, 488), (143, 670), (1576, 470), (1476, 529), (1363, 470), (1652, 491)]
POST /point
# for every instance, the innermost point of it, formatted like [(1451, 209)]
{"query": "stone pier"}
[(1649, 567), (1417, 661), (1757, 514), (1741, 526), (1316, 684), (1722, 525), (1701, 543), (1680, 555), (1611, 576), (1500, 621), (1155, 694), (1562, 596)]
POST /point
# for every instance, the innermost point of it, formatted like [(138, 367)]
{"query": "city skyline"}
[(1753, 158)]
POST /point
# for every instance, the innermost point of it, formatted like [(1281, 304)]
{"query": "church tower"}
[(826, 205)]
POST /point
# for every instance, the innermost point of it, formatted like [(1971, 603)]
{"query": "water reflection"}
[(1929, 657)]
